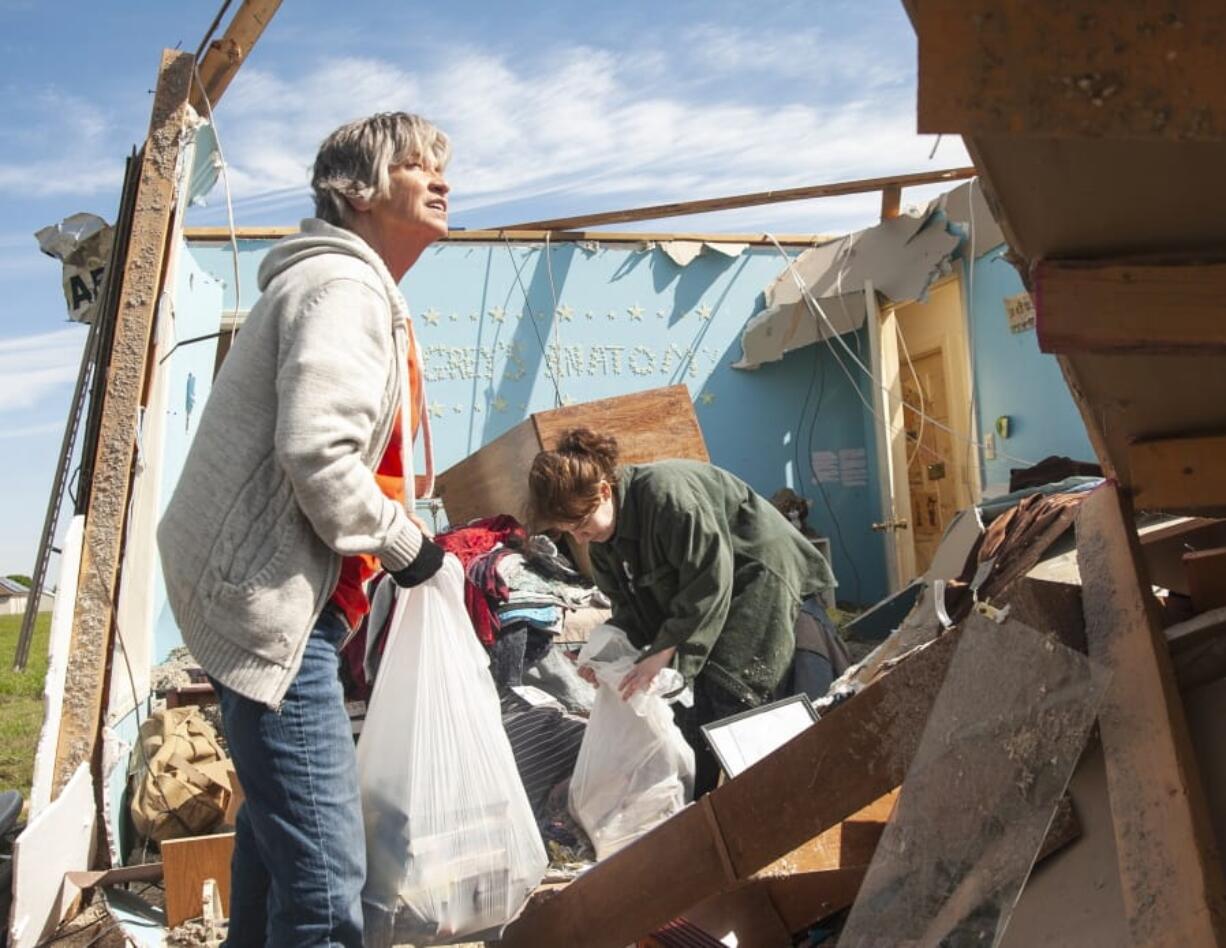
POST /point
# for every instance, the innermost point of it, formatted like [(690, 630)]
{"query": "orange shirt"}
[(350, 593)]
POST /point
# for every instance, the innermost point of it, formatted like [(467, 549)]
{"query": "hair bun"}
[(584, 442)]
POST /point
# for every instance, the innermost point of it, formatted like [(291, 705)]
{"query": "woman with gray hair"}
[(299, 485)]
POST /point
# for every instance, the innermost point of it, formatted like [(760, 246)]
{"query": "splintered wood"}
[(1170, 868)]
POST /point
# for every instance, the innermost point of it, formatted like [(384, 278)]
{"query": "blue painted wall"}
[(499, 323), (1012, 377), (197, 312)]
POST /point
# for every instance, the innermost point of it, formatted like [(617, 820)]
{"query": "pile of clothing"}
[(518, 592)]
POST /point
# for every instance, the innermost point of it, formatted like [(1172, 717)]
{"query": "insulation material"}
[(57, 666), (999, 748), (57, 841), (901, 257), (967, 205)]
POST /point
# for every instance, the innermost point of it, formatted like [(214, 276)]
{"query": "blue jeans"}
[(300, 848)]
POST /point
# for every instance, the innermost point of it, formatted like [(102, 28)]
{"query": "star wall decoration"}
[(565, 312), (703, 311), (636, 312), (660, 314), (707, 398), (612, 315), (590, 315), (498, 314), (455, 317), (438, 409), (459, 409), (431, 316), (499, 404)]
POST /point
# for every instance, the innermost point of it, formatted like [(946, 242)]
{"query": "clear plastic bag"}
[(635, 770), (452, 848)]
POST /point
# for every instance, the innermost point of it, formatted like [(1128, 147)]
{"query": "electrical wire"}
[(556, 322), (919, 438), (550, 370), (818, 313), (225, 183)]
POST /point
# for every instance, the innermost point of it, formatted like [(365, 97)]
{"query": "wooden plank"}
[(222, 235), (850, 843), (1121, 307), (103, 539), (1206, 578), (186, 864), (1147, 69), (224, 56), (1163, 546), (1170, 869), (756, 199), (650, 425), (851, 757), (1179, 474)]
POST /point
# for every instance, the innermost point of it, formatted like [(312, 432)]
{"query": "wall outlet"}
[(989, 446)]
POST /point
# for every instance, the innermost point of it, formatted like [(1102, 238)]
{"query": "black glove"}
[(429, 560)]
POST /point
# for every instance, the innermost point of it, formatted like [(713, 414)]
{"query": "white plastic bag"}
[(635, 770), (452, 848)]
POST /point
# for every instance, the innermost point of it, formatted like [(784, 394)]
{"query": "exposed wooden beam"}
[(1170, 869), (222, 235), (685, 208), (1179, 474), (891, 201), (851, 757), (224, 56), (1086, 306), (1146, 69), (103, 539)]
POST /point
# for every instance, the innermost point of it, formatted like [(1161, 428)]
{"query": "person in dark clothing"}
[(703, 573)]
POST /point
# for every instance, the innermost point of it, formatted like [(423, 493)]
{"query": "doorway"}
[(931, 372)]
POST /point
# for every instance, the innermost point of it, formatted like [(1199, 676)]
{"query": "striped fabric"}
[(545, 741)]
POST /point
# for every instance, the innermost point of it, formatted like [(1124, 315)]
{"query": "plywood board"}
[(650, 425), (1170, 868), (1147, 69), (187, 863), (846, 761)]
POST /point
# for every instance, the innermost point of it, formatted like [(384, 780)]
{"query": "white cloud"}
[(32, 367), (67, 146), (31, 430), (585, 122)]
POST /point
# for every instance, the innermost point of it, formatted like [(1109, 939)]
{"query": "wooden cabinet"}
[(649, 426)]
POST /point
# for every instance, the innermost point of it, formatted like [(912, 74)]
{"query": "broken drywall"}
[(901, 256), (685, 252), (967, 205)]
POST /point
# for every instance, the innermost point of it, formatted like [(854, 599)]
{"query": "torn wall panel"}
[(901, 256)]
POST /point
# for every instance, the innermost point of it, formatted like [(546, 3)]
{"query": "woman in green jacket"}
[(703, 573)]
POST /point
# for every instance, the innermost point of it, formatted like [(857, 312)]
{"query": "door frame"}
[(884, 330)]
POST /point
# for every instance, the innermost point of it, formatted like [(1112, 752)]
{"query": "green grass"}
[(21, 702)]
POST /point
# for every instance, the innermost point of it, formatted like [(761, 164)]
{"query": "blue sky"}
[(554, 108)]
